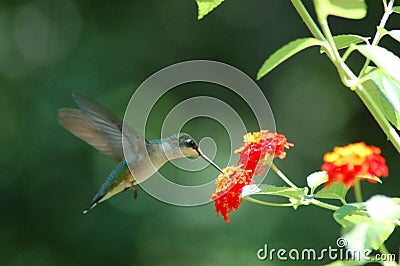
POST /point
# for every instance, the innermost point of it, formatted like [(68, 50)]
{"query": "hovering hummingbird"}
[(103, 130)]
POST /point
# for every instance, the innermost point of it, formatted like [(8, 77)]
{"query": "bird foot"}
[(134, 192)]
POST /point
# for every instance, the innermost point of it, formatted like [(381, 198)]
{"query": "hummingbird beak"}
[(209, 160)]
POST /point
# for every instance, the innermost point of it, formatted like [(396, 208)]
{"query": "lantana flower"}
[(354, 161), (258, 150)]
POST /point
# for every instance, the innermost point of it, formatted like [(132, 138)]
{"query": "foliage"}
[(206, 6), (366, 225)]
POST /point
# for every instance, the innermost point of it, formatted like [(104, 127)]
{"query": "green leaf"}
[(350, 220), (385, 92), (345, 40), (396, 9), (348, 209), (352, 9), (335, 191), (383, 58), (395, 34), (378, 233), (362, 232), (206, 6), (289, 192), (368, 235), (316, 179), (286, 52)]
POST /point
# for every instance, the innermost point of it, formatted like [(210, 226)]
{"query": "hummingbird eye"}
[(191, 143)]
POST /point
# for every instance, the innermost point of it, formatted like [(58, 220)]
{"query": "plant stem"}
[(313, 201), (382, 23), (287, 181), (383, 249), (387, 128), (324, 205), (343, 69), (282, 176), (307, 19), (268, 203), (388, 262), (377, 37), (357, 190)]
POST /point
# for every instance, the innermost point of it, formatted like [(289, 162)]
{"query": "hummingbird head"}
[(190, 148)]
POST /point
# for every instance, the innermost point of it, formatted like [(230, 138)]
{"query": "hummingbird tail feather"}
[(115, 183), (93, 204), (89, 208)]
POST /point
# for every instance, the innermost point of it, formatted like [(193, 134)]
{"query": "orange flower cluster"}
[(258, 150), (354, 161)]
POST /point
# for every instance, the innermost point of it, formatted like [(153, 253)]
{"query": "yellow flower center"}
[(255, 137), (354, 154)]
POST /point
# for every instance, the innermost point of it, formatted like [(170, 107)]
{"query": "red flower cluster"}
[(228, 189), (258, 150), (354, 161)]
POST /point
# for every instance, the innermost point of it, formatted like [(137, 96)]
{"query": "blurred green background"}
[(105, 49)]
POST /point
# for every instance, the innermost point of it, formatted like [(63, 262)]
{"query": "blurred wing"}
[(98, 127), (97, 113), (106, 139)]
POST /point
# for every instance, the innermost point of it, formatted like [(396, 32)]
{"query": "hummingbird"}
[(103, 130)]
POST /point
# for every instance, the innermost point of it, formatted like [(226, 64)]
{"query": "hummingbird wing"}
[(99, 128)]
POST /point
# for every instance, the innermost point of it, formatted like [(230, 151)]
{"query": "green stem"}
[(312, 201), (384, 3), (282, 176), (377, 37), (313, 28), (390, 132), (387, 128), (343, 69), (383, 249), (348, 79), (311, 25), (268, 203), (328, 35), (324, 205), (382, 23), (357, 190)]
